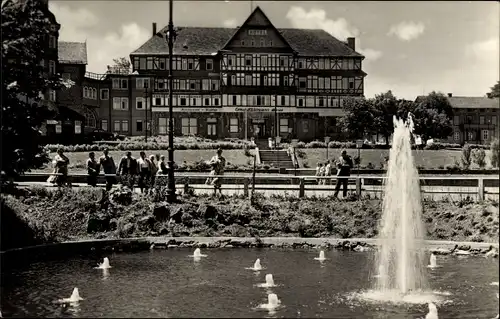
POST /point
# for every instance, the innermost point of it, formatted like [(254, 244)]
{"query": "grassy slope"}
[(430, 159), (64, 215)]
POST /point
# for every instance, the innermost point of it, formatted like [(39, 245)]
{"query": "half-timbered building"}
[(251, 81)]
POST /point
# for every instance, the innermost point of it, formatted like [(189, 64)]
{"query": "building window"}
[(270, 43), (139, 103), (120, 84), (234, 100), (485, 135), (183, 101), (494, 120), (52, 67), (262, 42), (52, 95), (206, 102), (305, 126), (52, 42), (162, 125), (456, 136), (302, 83), (248, 60), (210, 64), (58, 127), (283, 125), (90, 118), (94, 93), (104, 94), (104, 125), (212, 126), (78, 127), (141, 83), (242, 43), (116, 126), (124, 126), (120, 103), (189, 126), (481, 120), (138, 125), (300, 102), (233, 125), (456, 120), (216, 101)]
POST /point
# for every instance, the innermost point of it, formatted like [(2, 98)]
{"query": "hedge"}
[(351, 145)]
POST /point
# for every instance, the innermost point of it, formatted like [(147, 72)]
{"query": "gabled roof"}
[(72, 52), (206, 41), (471, 102), (256, 12)]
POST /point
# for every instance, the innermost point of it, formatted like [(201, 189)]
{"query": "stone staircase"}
[(276, 158)]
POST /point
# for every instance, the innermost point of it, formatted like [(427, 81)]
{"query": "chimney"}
[(351, 42), (154, 28), (450, 94)]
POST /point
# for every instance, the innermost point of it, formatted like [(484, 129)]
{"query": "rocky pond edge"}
[(93, 246)]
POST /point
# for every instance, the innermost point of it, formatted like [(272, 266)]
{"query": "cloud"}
[(407, 31), (484, 48), (370, 54), (102, 47), (316, 19), (230, 23), (340, 28)]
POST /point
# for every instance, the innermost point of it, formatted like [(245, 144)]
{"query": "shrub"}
[(495, 153), (479, 156), (465, 159)]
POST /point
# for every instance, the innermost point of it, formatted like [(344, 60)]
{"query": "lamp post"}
[(327, 141), (146, 111), (359, 145), (171, 196)]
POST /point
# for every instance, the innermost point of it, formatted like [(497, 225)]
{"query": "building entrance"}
[(259, 130)]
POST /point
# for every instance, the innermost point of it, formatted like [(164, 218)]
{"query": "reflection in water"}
[(105, 273)]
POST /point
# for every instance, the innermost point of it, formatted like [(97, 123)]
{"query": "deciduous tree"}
[(385, 107), (433, 116), (25, 26), (123, 64), (495, 91), (358, 117)]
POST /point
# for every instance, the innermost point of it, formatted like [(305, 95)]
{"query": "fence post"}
[(245, 187), (358, 187), (480, 186), (301, 188), (186, 186)]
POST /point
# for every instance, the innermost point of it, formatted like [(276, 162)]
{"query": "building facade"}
[(251, 81), (475, 119)]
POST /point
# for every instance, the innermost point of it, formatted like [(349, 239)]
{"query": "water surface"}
[(168, 283)]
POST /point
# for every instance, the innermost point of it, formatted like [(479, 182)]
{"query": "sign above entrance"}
[(252, 109)]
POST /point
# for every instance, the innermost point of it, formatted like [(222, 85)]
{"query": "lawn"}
[(429, 159), (78, 159)]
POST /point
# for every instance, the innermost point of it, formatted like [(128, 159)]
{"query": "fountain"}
[(400, 255), (256, 266), (269, 282), (75, 297), (105, 264), (321, 256), (433, 312), (433, 261), (272, 302), (197, 254)]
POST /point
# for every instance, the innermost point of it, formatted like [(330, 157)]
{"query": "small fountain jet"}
[(269, 282), (433, 312), (75, 298), (433, 261), (272, 302), (197, 254), (321, 256), (256, 266), (105, 264)]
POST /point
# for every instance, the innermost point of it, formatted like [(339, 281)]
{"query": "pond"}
[(169, 283)]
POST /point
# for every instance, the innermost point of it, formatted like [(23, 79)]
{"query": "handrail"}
[(281, 176)]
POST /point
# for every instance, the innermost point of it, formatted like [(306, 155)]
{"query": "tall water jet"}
[(269, 282), (400, 256)]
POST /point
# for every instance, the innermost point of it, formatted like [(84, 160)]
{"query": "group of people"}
[(152, 171), (343, 169), (144, 170)]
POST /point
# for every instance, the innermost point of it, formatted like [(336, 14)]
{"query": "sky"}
[(411, 48)]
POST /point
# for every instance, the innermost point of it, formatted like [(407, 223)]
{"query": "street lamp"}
[(146, 95), (327, 142), (359, 145)]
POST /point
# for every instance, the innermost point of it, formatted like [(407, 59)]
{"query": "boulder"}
[(99, 222), (207, 211), (176, 216), (161, 212), (146, 223)]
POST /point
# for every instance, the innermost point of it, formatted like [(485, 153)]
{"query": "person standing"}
[(108, 166), (61, 163), (218, 163), (328, 173), (144, 166), (319, 166), (344, 166), (154, 169), (162, 172), (93, 168), (127, 169)]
